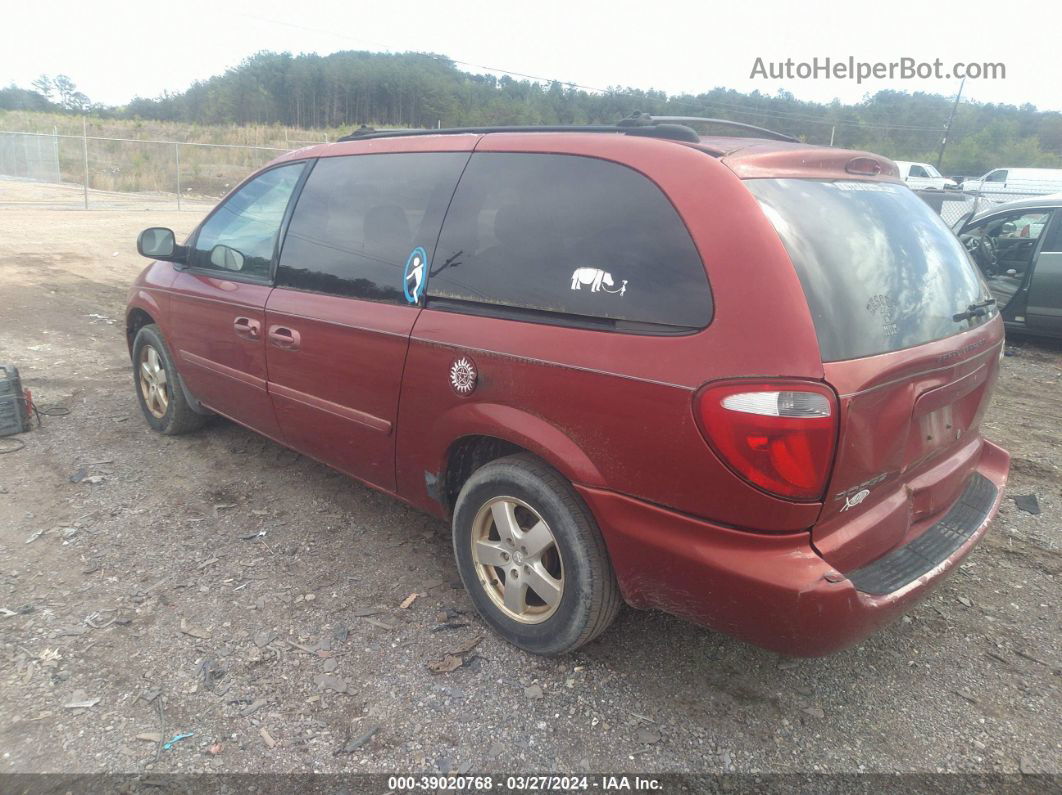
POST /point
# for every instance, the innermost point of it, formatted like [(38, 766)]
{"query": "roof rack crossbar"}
[(773, 134)]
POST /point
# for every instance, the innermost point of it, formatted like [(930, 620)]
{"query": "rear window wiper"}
[(974, 310)]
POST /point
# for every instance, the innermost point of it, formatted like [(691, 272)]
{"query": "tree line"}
[(352, 88)]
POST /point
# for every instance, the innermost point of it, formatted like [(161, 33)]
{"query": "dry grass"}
[(212, 157)]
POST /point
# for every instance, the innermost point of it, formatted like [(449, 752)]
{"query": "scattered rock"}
[(330, 682), (815, 712), (965, 601), (253, 707), (267, 738), (357, 742), (408, 601), (211, 673), (648, 736), (330, 665), (194, 631), (264, 638), (35, 535), (533, 691), (150, 737), (1027, 503), (81, 701), (445, 664)]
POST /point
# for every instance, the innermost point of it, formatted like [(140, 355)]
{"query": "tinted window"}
[(570, 236), (360, 218), (1053, 241), (246, 225), (918, 171), (997, 176), (879, 268)]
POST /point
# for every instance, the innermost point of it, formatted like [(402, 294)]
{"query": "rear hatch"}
[(910, 342)]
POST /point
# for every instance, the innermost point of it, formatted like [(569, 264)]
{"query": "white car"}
[(923, 176), (1030, 181)]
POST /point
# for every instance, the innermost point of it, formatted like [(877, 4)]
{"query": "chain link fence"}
[(955, 205), (82, 171)]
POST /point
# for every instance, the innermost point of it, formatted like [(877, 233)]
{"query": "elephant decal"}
[(598, 280)]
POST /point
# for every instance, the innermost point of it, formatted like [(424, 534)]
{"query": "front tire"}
[(158, 385), (532, 558)]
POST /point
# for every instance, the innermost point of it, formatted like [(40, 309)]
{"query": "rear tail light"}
[(778, 435)]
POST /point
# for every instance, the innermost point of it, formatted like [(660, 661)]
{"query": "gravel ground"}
[(222, 587)]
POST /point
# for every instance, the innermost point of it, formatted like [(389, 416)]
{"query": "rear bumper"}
[(775, 590)]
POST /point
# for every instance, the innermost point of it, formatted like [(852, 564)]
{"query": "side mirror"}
[(226, 258), (156, 242), (1008, 228)]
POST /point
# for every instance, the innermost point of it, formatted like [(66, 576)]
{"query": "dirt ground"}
[(221, 588)]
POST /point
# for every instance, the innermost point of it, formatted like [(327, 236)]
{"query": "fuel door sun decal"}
[(463, 376)]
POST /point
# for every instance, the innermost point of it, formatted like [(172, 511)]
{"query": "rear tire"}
[(532, 558), (158, 386)]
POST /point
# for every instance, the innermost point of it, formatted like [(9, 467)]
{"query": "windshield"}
[(931, 170), (880, 270)]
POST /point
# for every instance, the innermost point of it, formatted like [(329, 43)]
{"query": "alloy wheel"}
[(153, 382), (517, 560)]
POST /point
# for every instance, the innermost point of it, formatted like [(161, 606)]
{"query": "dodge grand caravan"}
[(739, 379)]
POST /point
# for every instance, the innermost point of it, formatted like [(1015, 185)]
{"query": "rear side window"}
[(880, 270), (360, 219), (568, 239)]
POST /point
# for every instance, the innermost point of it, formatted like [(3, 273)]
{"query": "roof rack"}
[(675, 128), (639, 119)]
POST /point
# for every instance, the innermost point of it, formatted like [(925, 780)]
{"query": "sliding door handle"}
[(284, 338)]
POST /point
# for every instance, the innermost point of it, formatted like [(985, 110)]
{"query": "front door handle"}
[(247, 328), (284, 338)]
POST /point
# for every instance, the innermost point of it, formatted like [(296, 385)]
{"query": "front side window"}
[(571, 240), (241, 235), (997, 176), (1004, 245), (364, 224), (918, 171)]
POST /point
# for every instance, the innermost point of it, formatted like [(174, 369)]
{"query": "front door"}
[(349, 284), (1045, 290), (218, 300)]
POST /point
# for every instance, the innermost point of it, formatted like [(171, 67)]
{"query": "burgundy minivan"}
[(739, 379)]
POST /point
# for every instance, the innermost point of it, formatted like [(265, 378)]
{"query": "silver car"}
[(1018, 247)]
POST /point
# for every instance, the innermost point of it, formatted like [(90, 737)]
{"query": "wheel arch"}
[(475, 434), (143, 310)]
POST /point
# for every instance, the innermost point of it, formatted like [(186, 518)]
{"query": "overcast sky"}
[(117, 49)]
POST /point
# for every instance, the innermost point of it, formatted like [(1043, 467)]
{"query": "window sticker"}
[(413, 277), (597, 279), (866, 187)]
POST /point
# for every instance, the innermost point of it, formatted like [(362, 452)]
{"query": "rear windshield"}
[(880, 270)]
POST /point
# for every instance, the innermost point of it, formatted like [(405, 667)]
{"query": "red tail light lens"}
[(778, 435)]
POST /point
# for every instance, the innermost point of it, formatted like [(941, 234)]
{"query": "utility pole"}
[(947, 130), (84, 153)]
